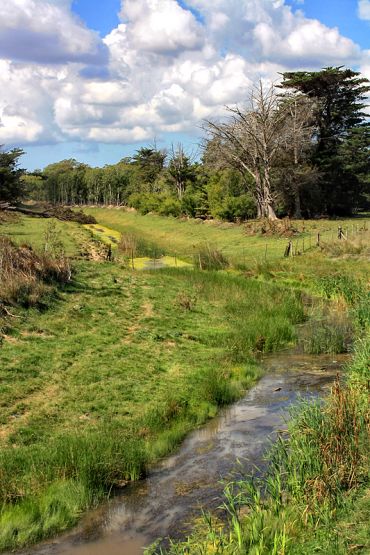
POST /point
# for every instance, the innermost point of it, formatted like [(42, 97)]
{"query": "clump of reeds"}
[(209, 257), (331, 336), (132, 245)]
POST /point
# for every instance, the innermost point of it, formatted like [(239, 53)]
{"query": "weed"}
[(186, 301)]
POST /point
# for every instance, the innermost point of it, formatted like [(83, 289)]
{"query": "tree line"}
[(300, 148)]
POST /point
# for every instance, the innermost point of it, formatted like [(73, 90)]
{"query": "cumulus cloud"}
[(163, 69), (46, 32), (161, 26)]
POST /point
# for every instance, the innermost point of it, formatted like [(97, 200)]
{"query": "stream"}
[(165, 503)]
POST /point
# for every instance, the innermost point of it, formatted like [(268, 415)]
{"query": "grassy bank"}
[(114, 374), (316, 495), (182, 237)]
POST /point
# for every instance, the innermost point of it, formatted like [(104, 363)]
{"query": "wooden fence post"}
[(288, 249)]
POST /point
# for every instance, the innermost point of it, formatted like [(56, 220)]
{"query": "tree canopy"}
[(302, 149)]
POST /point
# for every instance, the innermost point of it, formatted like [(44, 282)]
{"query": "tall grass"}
[(133, 245), (25, 274), (210, 257)]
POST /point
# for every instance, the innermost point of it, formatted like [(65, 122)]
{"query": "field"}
[(112, 374)]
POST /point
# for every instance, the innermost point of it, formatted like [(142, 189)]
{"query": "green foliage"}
[(341, 153), (170, 207), (158, 366), (145, 202), (328, 337), (315, 496), (11, 186)]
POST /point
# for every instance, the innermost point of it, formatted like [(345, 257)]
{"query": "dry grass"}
[(26, 275)]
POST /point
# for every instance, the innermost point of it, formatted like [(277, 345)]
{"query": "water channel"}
[(165, 503)]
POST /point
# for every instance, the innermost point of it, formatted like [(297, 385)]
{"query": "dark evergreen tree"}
[(11, 186), (339, 95), (150, 162)]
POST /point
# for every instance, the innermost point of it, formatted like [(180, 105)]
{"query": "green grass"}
[(125, 363), (182, 237), (88, 387)]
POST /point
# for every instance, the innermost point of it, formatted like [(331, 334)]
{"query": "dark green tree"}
[(11, 186), (150, 162), (339, 95)]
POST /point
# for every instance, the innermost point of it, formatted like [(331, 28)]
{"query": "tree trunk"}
[(267, 204)]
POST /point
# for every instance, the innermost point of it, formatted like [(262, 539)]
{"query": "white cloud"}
[(46, 32), (161, 26), (364, 9), (161, 70)]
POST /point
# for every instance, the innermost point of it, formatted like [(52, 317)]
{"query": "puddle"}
[(171, 497)]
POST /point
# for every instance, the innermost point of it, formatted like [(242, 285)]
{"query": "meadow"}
[(110, 375)]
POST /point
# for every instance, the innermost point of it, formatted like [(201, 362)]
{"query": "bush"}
[(145, 202), (170, 207), (232, 209), (134, 245)]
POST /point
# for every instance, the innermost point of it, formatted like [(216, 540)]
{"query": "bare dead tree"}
[(251, 140)]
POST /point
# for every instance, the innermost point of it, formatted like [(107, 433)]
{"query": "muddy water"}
[(164, 504)]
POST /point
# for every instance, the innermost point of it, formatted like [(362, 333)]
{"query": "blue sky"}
[(339, 13), (101, 15), (75, 84)]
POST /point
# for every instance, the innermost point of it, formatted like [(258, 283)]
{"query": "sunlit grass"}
[(117, 372)]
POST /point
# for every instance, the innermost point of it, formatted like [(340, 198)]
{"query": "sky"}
[(97, 79)]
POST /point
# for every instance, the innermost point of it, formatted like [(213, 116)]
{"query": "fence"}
[(257, 250)]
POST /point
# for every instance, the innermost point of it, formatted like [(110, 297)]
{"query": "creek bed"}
[(167, 501)]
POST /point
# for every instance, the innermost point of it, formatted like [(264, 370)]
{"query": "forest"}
[(297, 149)]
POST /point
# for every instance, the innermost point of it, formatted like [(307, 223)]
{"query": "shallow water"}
[(165, 503)]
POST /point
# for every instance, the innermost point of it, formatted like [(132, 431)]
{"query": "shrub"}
[(134, 245), (170, 207), (145, 202), (233, 209)]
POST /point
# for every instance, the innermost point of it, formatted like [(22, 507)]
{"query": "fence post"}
[(288, 249), (318, 240)]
